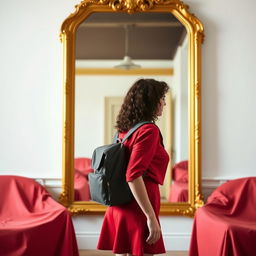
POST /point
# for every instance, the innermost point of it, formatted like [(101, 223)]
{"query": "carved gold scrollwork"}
[(181, 6), (63, 198), (76, 211), (196, 35), (104, 1), (61, 37), (187, 212), (190, 211), (199, 37), (197, 90), (131, 5), (199, 198), (145, 4), (197, 133), (199, 202)]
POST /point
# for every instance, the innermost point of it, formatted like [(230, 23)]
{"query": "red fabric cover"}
[(180, 171), (124, 228), (83, 164), (178, 192), (81, 185), (31, 222), (226, 225), (179, 189)]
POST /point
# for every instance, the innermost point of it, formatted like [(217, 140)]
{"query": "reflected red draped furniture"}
[(179, 188), (82, 169), (31, 222), (226, 225)]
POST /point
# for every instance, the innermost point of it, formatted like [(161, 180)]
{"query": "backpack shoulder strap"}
[(116, 139), (134, 128)]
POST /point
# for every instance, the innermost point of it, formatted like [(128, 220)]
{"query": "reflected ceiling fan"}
[(127, 62)]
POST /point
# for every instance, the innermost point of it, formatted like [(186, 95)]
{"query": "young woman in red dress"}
[(133, 228)]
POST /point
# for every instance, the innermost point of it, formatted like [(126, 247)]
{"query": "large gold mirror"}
[(164, 41)]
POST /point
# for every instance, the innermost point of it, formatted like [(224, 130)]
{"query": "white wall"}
[(31, 86), (89, 118), (31, 92), (229, 87), (180, 98)]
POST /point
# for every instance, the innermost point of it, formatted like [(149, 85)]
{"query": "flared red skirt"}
[(125, 230)]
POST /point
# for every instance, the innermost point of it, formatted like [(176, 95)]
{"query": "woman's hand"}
[(139, 192), (154, 230)]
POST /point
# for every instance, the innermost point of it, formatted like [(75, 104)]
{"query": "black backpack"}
[(107, 183)]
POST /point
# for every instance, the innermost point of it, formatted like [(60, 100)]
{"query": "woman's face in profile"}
[(161, 105)]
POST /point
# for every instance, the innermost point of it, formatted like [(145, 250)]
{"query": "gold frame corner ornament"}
[(196, 37)]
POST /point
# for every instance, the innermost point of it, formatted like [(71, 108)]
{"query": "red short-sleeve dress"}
[(124, 228)]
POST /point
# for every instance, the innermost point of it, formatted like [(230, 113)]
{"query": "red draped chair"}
[(179, 187), (83, 165), (82, 169), (226, 225), (31, 222)]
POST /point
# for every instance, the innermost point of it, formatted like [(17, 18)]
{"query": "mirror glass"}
[(158, 43)]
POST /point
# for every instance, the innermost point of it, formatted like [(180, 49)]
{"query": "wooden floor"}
[(108, 253)]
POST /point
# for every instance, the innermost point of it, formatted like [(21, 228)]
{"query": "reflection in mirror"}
[(158, 43)]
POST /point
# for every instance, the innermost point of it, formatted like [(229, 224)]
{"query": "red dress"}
[(124, 228)]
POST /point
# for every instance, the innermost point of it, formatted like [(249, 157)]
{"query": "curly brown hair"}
[(141, 103)]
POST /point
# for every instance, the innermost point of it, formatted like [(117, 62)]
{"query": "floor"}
[(107, 253)]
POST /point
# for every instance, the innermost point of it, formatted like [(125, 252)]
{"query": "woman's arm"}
[(139, 192)]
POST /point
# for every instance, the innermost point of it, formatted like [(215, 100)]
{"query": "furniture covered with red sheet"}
[(83, 165), (81, 184), (82, 169), (31, 222), (226, 225), (179, 187)]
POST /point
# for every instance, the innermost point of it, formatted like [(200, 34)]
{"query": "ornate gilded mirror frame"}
[(196, 36)]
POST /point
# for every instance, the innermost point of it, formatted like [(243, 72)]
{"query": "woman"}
[(133, 228)]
